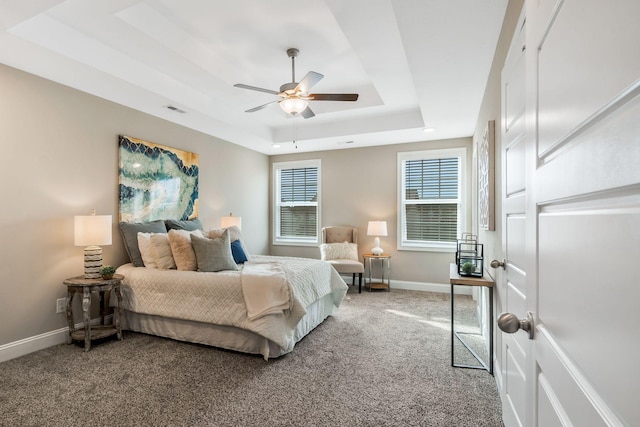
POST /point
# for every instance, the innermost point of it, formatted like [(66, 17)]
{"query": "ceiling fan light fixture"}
[(293, 105)]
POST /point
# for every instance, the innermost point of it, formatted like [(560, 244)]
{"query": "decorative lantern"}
[(470, 256)]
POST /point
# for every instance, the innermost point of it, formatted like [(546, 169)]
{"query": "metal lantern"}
[(470, 256)]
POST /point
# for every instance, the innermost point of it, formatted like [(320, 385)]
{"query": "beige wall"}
[(360, 184), (490, 110), (60, 159)]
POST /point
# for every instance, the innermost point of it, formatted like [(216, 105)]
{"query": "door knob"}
[(509, 323), (495, 263)]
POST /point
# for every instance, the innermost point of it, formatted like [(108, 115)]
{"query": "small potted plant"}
[(107, 272), (468, 268)]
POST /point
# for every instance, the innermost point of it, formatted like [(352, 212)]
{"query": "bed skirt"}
[(227, 337)]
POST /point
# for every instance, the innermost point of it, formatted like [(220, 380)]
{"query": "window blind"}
[(298, 207), (431, 199)]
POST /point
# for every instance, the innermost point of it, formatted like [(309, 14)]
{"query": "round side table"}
[(87, 287)]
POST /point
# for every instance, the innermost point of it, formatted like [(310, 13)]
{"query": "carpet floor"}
[(383, 359)]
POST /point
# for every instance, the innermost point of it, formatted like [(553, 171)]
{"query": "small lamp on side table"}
[(228, 221), (377, 228), (92, 231)]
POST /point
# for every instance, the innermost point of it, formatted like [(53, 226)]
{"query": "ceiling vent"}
[(176, 109)]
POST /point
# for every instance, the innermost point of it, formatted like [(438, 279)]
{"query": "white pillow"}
[(344, 250), (161, 251), (144, 244)]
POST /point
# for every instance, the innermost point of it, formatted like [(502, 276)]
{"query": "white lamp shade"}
[(92, 230), (229, 221), (377, 228), (293, 105)]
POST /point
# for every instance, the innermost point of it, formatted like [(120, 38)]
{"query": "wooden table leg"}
[(102, 311), (86, 317), (70, 316), (116, 311)]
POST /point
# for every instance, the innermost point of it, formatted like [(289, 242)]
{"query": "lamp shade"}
[(377, 228), (293, 105), (92, 230), (229, 221)]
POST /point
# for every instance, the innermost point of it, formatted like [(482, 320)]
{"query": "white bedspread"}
[(218, 297)]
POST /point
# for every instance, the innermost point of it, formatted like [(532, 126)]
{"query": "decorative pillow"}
[(144, 245), (161, 251), (345, 250), (238, 253), (213, 254), (183, 254), (234, 234), (130, 230), (189, 224)]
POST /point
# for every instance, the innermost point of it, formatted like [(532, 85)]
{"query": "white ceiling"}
[(415, 63)]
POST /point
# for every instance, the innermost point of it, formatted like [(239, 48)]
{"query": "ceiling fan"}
[(295, 96)]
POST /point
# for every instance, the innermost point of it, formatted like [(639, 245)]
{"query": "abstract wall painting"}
[(486, 178), (156, 181)]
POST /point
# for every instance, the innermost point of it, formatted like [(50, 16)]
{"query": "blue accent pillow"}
[(238, 253)]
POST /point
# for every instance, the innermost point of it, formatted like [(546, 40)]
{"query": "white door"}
[(581, 219)]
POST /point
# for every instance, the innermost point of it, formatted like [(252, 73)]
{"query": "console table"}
[(87, 287), (456, 279)]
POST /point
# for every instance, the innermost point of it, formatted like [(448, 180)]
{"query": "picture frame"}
[(156, 181)]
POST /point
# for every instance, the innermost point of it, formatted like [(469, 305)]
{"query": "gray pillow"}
[(130, 230), (188, 224), (213, 254)]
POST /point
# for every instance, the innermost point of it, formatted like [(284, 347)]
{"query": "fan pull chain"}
[(295, 131)]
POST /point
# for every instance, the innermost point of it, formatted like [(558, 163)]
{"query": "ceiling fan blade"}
[(260, 107), (307, 113), (308, 81), (332, 97), (259, 89)]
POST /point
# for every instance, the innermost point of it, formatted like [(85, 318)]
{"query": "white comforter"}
[(218, 298)]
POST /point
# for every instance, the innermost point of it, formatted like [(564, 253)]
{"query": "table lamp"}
[(377, 228), (228, 221), (92, 231)]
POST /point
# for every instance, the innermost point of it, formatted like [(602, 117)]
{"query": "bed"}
[(265, 306)]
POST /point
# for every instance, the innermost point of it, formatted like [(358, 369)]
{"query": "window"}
[(296, 202), (430, 199)]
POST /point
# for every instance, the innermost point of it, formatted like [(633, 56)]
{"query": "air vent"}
[(174, 108)]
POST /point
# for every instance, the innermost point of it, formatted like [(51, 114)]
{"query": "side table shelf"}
[(86, 287)]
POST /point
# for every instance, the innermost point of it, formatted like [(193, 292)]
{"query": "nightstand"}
[(87, 287), (384, 281)]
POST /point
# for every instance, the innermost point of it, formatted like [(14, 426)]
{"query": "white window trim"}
[(461, 153), (294, 241)]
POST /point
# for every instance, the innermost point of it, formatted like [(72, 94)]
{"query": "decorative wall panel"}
[(486, 178)]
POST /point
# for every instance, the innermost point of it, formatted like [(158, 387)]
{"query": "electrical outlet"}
[(61, 305)]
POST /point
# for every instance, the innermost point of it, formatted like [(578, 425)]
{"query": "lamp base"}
[(377, 250), (92, 262)]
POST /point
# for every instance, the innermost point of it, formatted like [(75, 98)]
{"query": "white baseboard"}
[(40, 342), (31, 344)]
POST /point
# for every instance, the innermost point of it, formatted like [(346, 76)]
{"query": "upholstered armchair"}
[(340, 248)]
